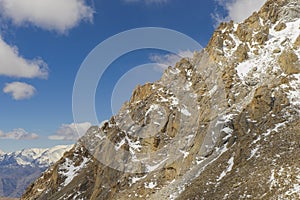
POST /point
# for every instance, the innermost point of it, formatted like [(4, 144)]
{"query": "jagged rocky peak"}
[(254, 32), (222, 125)]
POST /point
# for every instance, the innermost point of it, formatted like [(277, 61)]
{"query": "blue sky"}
[(42, 48)]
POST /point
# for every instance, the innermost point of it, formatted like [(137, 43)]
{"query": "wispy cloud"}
[(18, 134), (57, 15), (19, 90), (237, 10), (165, 60), (14, 65), (71, 132)]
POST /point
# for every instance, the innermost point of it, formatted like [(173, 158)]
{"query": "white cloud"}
[(14, 65), (147, 1), (58, 15), (166, 60), (71, 131), (19, 90), (18, 134), (238, 10)]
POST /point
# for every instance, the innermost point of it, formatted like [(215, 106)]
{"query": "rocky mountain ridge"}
[(222, 125)]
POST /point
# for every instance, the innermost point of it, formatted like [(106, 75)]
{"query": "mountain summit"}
[(222, 125)]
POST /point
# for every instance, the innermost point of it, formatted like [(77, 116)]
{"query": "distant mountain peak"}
[(18, 169), (37, 156)]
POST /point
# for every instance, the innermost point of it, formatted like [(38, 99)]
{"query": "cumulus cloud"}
[(237, 10), (58, 15), (18, 134), (71, 132), (19, 90), (14, 65), (147, 1), (166, 60)]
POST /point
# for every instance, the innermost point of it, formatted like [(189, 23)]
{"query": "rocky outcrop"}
[(222, 125), (279, 27), (289, 62)]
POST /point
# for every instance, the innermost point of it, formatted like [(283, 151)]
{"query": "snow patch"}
[(185, 111), (150, 185), (154, 167), (229, 168), (275, 129), (253, 152), (185, 153), (244, 68), (213, 90), (136, 179), (70, 171)]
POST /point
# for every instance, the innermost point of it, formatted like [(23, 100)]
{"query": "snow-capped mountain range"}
[(18, 169), (33, 157)]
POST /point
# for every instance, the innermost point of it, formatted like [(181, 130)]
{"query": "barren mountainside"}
[(222, 125)]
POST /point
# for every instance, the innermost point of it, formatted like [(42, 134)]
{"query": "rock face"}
[(289, 62), (222, 125), (19, 169)]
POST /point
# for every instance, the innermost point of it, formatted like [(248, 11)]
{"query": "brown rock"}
[(242, 52), (262, 36), (277, 50), (281, 26), (297, 42), (289, 62), (253, 22), (244, 33), (141, 92)]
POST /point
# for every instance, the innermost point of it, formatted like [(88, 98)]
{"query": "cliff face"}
[(223, 125)]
